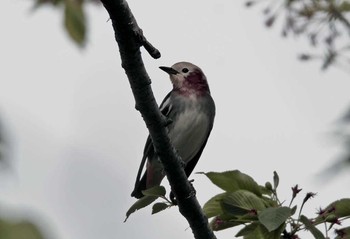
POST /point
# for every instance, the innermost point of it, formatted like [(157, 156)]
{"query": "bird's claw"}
[(193, 190), (190, 195), (166, 121)]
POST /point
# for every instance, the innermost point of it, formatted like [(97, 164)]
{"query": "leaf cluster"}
[(257, 208), (150, 195)]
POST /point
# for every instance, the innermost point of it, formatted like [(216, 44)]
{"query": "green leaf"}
[(272, 218), (261, 232), (141, 203), (74, 21), (160, 206), (158, 191), (341, 207), (241, 202), (269, 202), (19, 230), (231, 181), (276, 180), (213, 207), (311, 227), (249, 229), (267, 189), (330, 218), (294, 209), (336, 210)]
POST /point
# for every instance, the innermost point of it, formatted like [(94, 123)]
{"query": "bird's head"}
[(187, 78)]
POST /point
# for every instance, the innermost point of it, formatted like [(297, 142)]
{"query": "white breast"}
[(189, 132)]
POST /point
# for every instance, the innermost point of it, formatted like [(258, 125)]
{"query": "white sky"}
[(76, 139)]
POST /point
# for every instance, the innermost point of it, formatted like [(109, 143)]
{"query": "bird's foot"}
[(191, 194), (193, 190), (166, 121)]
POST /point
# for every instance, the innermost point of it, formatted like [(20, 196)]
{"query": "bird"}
[(190, 111)]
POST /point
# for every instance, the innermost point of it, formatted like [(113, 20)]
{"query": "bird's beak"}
[(169, 70)]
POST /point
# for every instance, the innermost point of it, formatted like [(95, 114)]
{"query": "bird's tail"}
[(139, 187)]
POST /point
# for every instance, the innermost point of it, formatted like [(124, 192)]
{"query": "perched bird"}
[(191, 111)]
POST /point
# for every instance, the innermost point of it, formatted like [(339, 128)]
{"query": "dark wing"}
[(166, 107), (141, 184), (192, 163), (148, 152)]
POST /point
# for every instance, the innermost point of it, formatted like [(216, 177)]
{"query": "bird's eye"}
[(184, 70)]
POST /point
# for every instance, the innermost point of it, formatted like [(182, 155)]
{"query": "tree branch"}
[(130, 38)]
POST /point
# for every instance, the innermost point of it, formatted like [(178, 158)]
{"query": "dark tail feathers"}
[(139, 187)]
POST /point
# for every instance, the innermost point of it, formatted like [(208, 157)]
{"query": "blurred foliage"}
[(342, 164), (258, 210), (326, 26), (19, 230), (325, 23), (75, 22), (344, 133), (2, 147), (9, 229)]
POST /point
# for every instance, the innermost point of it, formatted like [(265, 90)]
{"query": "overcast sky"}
[(76, 140)]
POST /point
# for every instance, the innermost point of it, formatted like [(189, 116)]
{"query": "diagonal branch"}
[(130, 38)]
